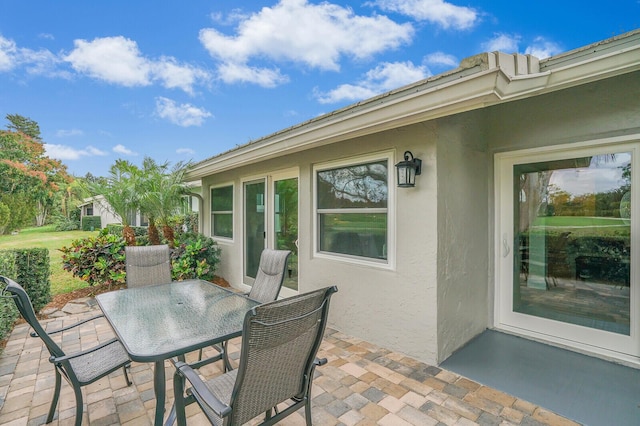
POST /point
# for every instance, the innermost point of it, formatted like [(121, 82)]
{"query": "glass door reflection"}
[(572, 221)]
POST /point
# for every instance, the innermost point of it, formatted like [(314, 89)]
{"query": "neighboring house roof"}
[(91, 200), (480, 81)]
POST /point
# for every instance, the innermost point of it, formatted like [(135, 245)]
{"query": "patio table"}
[(158, 322)]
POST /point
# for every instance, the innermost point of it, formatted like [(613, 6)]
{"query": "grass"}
[(45, 236)]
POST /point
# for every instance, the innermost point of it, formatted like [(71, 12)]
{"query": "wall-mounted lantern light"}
[(408, 170)]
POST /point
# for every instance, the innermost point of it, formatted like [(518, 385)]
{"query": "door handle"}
[(505, 245)]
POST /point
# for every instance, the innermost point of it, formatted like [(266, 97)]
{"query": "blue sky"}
[(189, 80)]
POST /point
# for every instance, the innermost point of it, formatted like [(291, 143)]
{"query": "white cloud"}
[(68, 133), (184, 115), (542, 48), (117, 60), (36, 61), (442, 13), (503, 43), (187, 151), (112, 59), (383, 78), (295, 31), (121, 149), (241, 73), (440, 59), (8, 54), (65, 152)]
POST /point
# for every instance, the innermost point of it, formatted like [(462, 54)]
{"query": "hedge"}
[(91, 223), (30, 268)]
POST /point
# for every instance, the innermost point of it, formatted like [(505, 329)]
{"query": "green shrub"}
[(33, 271), (195, 256), (96, 260), (5, 215), (91, 223), (101, 259), (63, 223), (116, 229), (8, 310)]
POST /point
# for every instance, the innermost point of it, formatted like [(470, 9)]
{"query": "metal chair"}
[(270, 276), (146, 265), (265, 288), (280, 341), (79, 369)]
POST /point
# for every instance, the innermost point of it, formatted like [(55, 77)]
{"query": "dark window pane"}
[(223, 225), (222, 198), (359, 186), (356, 234)]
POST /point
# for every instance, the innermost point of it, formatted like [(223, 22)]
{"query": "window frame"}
[(231, 212), (389, 262)]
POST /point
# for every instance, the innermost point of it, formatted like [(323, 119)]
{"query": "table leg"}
[(159, 385)]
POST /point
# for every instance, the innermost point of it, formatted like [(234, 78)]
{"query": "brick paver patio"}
[(362, 384)]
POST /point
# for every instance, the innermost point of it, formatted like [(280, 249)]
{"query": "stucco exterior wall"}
[(598, 110), (463, 239), (394, 308)]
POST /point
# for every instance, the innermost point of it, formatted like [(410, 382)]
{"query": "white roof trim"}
[(482, 80)]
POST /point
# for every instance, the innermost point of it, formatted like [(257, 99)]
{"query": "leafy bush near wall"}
[(101, 259), (195, 256), (115, 229), (96, 260), (91, 223)]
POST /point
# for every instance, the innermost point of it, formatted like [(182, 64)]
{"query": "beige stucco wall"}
[(393, 308), (463, 240), (440, 293)]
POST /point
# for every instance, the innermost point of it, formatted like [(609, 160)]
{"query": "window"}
[(222, 211), (352, 209)]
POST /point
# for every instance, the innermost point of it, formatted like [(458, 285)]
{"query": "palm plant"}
[(164, 189), (119, 190), (148, 183)]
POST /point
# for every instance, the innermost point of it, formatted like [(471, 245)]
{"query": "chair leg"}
[(225, 357), (79, 408), (178, 400), (56, 394), (126, 375), (307, 410)]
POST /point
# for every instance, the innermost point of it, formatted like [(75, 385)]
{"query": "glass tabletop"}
[(161, 321)]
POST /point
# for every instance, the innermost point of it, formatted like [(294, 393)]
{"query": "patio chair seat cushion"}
[(95, 364)]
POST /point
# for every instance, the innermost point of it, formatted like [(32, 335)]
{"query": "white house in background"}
[(524, 218), (99, 206)]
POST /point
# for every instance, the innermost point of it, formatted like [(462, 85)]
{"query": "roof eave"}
[(503, 81)]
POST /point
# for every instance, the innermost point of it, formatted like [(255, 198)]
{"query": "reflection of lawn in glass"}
[(579, 221)]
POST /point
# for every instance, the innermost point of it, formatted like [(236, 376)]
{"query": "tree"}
[(25, 169), (18, 123)]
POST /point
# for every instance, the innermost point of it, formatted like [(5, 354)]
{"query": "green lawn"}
[(61, 280)]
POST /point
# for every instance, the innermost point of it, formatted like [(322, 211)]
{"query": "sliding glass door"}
[(565, 268), (271, 220)]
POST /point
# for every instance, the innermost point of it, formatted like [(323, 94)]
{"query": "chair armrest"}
[(82, 353), (200, 390), (34, 334), (319, 361)]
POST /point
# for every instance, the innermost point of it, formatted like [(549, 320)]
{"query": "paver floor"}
[(362, 384)]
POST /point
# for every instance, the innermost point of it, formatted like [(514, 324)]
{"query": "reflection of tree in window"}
[(354, 186)]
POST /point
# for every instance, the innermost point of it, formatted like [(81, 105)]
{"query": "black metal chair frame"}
[(64, 362), (263, 330)]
